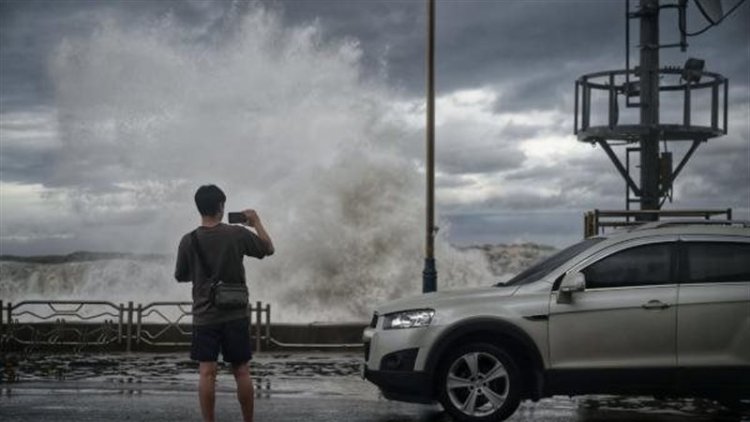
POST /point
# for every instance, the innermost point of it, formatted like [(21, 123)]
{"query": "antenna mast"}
[(649, 77)]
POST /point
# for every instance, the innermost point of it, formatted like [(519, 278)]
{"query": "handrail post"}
[(726, 104), (585, 225), (9, 323), (613, 113), (575, 115), (596, 222), (2, 327), (258, 323), (687, 106), (138, 325), (268, 325), (715, 107), (585, 104), (129, 340), (119, 325)]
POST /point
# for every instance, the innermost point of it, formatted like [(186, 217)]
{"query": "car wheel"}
[(480, 382)]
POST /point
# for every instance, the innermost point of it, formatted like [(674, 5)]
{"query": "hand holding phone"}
[(248, 217), (251, 217), (237, 218)]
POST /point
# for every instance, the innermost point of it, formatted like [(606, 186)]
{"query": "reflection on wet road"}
[(290, 387)]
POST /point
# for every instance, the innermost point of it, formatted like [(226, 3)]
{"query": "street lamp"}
[(429, 274)]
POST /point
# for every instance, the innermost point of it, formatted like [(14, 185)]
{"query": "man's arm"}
[(253, 220), (182, 271)]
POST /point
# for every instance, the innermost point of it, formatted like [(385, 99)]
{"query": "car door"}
[(625, 318), (713, 317)]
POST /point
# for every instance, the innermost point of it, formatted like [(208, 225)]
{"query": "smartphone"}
[(237, 217)]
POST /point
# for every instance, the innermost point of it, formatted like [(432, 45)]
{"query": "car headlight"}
[(408, 319)]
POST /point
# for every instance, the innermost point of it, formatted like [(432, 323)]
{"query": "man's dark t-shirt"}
[(223, 246)]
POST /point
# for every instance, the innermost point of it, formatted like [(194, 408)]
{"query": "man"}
[(223, 247)]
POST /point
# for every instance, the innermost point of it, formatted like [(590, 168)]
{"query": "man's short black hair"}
[(208, 199)]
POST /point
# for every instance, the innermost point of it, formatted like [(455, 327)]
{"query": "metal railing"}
[(612, 83), (34, 324), (53, 326), (595, 222)]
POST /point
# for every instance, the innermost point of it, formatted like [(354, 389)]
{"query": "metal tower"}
[(642, 88)]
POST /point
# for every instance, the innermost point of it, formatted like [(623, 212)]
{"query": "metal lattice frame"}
[(145, 336)]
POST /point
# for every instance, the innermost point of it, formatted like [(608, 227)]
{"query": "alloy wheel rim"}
[(477, 384)]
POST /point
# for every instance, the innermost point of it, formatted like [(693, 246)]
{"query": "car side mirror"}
[(571, 283)]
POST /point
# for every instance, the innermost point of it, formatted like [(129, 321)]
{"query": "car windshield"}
[(545, 266)]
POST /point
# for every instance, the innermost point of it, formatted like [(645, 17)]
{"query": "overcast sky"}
[(112, 112)]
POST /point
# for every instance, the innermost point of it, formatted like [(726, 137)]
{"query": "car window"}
[(545, 266), (716, 262), (637, 266)]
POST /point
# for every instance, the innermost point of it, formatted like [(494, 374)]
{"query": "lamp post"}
[(429, 274)]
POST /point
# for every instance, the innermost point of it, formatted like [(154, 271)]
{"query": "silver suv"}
[(662, 309)]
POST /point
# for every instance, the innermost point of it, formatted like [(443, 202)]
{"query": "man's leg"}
[(205, 349), (207, 390), (245, 390)]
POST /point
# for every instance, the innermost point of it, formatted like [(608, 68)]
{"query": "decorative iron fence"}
[(34, 324)]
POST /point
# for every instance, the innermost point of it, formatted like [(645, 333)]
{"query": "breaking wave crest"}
[(284, 121)]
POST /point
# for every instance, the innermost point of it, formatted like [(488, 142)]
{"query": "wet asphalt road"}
[(42, 405), (289, 387)]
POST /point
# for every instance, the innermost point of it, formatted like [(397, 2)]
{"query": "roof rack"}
[(689, 222), (597, 221)]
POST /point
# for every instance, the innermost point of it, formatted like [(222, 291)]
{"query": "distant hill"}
[(512, 259), (83, 256)]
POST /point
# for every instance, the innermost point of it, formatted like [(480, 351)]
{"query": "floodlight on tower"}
[(693, 70)]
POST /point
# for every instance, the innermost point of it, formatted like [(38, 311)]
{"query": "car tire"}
[(479, 382)]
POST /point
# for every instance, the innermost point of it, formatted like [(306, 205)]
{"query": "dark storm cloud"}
[(527, 52), (30, 31), (478, 42), (26, 166), (718, 170), (510, 39), (535, 49)]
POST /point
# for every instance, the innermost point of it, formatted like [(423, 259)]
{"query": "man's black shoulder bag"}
[(223, 295)]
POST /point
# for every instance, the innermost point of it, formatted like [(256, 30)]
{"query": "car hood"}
[(446, 298)]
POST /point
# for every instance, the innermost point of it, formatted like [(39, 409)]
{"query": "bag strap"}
[(201, 257)]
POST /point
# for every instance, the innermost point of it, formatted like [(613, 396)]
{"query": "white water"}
[(145, 280), (282, 121)]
